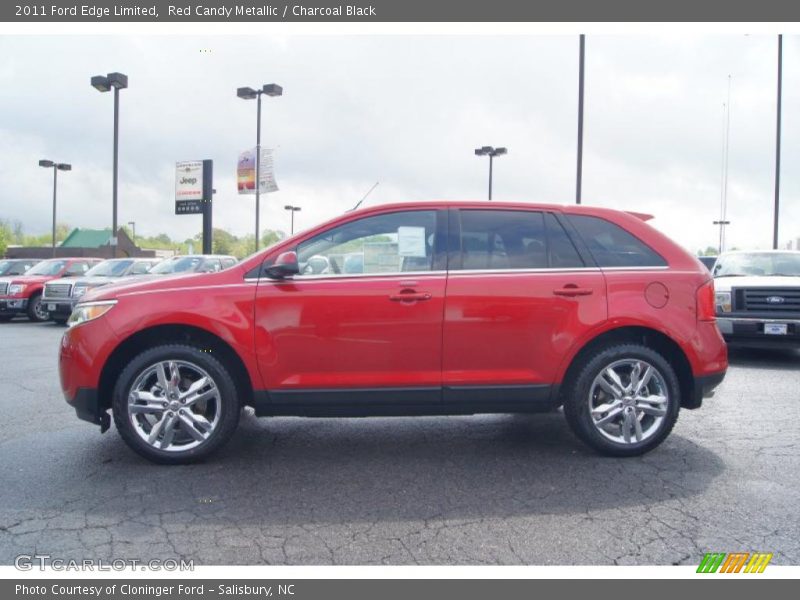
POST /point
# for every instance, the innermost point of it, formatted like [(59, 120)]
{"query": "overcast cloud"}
[(406, 111)]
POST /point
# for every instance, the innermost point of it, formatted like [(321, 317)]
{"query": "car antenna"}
[(364, 197)]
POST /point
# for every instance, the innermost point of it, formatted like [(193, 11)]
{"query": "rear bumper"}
[(87, 407), (750, 332), (704, 387)]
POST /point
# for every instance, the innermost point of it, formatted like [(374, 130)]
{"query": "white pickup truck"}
[(758, 298)]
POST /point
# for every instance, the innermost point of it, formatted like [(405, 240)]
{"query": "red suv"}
[(428, 308)]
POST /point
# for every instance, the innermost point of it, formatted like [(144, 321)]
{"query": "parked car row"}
[(51, 288)]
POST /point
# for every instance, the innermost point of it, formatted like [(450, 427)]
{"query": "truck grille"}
[(768, 300), (54, 291), (3, 288)]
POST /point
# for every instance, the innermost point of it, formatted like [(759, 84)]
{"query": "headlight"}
[(78, 292), (16, 288), (723, 302), (89, 311)]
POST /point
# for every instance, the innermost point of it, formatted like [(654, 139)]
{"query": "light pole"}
[(56, 168), (721, 223), (104, 83), (778, 145), (491, 153), (133, 230), (292, 209), (581, 69), (247, 93)]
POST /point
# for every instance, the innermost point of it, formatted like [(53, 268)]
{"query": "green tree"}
[(6, 236)]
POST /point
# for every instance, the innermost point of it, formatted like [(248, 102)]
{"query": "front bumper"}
[(60, 307), (13, 305), (87, 406), (751, 332)]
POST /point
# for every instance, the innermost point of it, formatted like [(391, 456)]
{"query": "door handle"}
[(410, 297), (570, 291)]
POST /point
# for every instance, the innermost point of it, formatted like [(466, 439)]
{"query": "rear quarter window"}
[(612, 246)]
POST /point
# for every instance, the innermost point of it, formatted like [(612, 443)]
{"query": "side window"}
[(503, 239), (140, 267), (78, 268), (612, 246), (389, 243), (211, 265), (561, 251), (228, 262)]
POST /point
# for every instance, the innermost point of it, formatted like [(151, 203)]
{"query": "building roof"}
[(87, 238)]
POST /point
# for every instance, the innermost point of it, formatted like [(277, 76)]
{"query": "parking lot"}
[(497, 489)]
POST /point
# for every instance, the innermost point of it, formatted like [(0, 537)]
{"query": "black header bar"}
[(377, 11)]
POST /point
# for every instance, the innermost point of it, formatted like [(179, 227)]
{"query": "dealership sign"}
[(246, 172), (189, 187)]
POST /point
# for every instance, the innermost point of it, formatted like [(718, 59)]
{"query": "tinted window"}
[(141, 267), (561, 250), (506, 239), (228, 262), (389, 243), (612, 246)]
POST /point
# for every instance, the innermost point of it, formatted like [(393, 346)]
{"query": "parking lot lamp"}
[(56, 168), (491, 153), (292, 209), (248, 93), (104, 83)]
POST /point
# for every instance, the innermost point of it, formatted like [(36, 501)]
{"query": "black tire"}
[(33, 310), (577, 399), (6, 318), (229, 405)]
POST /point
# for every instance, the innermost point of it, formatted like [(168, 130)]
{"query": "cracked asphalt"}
[(498, 489)]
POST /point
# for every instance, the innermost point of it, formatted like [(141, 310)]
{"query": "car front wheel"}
[(37, 311), (624, 401), (175, 404)]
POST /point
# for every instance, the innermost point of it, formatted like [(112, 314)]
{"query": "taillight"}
[(705, 301)]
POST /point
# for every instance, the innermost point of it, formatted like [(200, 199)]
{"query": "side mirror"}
[(285, 266)]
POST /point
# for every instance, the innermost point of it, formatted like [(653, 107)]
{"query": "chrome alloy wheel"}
[(628, 401), (174, 405)]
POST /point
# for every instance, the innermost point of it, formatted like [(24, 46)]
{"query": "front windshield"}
[(109, 268), (179, 264), (48, 268), (785, 264)]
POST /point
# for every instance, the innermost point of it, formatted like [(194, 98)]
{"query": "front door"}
[(362, 322)]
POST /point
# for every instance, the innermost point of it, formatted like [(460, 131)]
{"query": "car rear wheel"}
[(624, 401), (37, 311), (175, 404)]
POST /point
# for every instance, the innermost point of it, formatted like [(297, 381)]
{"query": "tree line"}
[(12, 233)]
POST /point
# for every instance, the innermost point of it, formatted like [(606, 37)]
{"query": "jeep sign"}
[(189, 187), (189, 180)]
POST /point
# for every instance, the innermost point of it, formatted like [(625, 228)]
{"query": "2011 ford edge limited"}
[(444, 309)]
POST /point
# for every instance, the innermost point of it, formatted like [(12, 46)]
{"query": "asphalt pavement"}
[(496, 489)]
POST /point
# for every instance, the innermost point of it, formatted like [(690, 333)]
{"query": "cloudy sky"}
[(406, 111)]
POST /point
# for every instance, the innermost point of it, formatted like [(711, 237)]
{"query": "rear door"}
[(519, 294)]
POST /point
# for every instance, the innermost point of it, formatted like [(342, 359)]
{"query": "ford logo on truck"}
[(775, 299)]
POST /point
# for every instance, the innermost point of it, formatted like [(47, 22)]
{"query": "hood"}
[(724, 284), (147, 283), (29, 279), (96, 280)]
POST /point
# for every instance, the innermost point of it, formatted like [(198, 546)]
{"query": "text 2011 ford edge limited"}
[(433, 308)]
